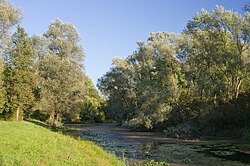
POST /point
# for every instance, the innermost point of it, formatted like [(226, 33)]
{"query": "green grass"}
[(24, 143)]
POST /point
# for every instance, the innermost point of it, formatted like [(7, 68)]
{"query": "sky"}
[(111, 28)]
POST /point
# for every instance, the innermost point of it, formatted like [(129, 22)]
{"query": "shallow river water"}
[(141, 146)]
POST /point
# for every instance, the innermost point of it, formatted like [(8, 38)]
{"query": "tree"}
[(91, 110), (157, 72), (117, 87), (90, 89), (220, 44), (247, 7), (142, 88), (9, 16), (19, 76), (61, 70)]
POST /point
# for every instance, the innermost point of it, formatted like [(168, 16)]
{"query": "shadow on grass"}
[(68, 131), (39, 123)]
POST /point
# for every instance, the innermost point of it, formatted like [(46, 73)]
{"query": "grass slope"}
[(24, 143)]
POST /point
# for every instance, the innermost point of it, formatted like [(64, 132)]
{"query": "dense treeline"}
[(196, 82), (43, 77), (200, 77)]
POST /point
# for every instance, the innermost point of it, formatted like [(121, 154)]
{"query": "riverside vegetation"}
[(195, 84), (192, 84)]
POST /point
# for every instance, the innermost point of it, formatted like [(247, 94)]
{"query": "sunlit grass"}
[(24, 143)]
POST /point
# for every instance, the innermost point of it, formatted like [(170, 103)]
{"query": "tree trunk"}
[(201, 94), (17, 114), (179, 109), (215, 101), (237, 89), (236, 93), (54, 120), (228, 92)]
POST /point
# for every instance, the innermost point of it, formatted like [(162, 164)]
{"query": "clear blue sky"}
[(110, 28)]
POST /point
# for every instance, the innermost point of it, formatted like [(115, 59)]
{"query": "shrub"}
[(184, 130)]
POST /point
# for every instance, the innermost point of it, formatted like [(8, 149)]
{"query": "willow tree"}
[(144, 86), (220, 52), (10, 16), (61, 70), (157, 79)]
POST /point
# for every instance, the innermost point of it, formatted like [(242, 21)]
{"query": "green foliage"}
[(90, 110), (200, 76), (61, 72), (9, 17), (141, 88), (19, 77), (44, 74), (2, 89), (184, 130), (91, 90), (220, 52), (117, 87), (92, 106), (23, 143)]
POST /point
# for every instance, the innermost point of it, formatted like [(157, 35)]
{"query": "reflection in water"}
[(232, 152)]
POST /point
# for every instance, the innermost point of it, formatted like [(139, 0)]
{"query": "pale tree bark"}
[(215, 101), (54, 120), (17, 114), (237, 88)]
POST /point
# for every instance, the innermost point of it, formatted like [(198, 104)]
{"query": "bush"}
[(184, 130)]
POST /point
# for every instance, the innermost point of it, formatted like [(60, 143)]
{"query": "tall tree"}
[(19, 76), (220, 51), (9, 16), (61, 71), (157, 72), (143, 87)]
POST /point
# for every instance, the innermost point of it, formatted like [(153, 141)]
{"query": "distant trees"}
[(176, 78), (92, 105)]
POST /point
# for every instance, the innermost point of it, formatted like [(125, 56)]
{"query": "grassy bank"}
[(24, 143)]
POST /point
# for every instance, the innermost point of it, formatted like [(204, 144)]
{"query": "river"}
[(146, 146)]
